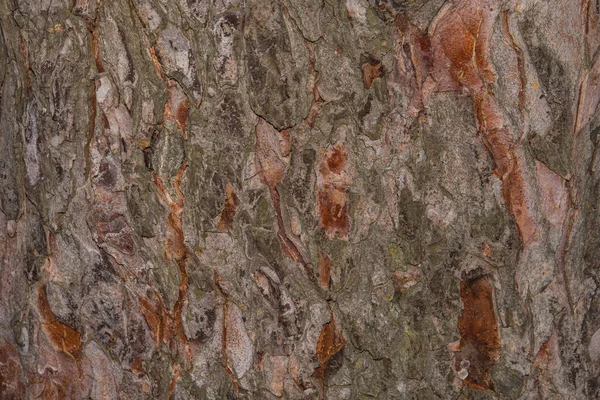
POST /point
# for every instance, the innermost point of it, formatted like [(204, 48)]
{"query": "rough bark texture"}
[(299, 199)]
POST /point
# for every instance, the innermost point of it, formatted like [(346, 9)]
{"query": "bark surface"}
[(299, 199)]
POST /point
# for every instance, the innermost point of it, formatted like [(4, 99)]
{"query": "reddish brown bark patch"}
[(333, 207), (548, 350), (175, 246), (479, 340), (182, 113), (157, 65), (156, 317), (331, 341), (371, 71), (62, 337), (516, 196), (324, 270), (419, 49), (332, 192), (460, 42), (461, 46), (229, 209), (137, 367), (11, 384), (336, 160), (96, 51), (177, 106)]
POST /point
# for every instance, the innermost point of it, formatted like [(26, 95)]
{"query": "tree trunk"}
[(299, 199)]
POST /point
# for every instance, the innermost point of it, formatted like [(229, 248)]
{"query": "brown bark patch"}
[(336, 160), (324, 270), (460, 42), (423, 55), (157, 65), (516, 195), (330, 342), (229, 209), (137, 367), (546, 353), (11, 384), (175, 241), (333, 207), (332, 192), (371, 71), (156, 317), (62, 337), (462, 49), (177, 106), (96, 51), (479, 340)]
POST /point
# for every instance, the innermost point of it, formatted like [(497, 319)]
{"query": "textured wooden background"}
[(299, 199)]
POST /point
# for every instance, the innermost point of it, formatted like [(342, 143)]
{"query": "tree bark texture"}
[(299, 199)]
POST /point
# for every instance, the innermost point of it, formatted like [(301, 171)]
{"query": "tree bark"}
[(263, 199)]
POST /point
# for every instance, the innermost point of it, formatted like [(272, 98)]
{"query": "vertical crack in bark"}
[(176, 108), (157, 65), (175, 248), (288, 246), (90, 135), (520, 65), (272, 158), (317, 101), (224, 351), (95, 49), (25, 54), (156, 317), (562, 250), (173, 384)]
